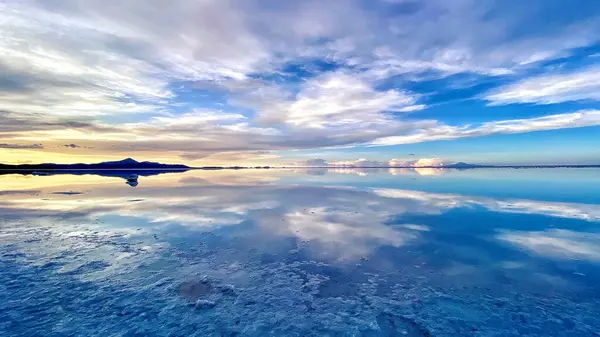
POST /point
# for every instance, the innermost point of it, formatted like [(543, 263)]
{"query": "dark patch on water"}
[(340, 284), (333, 288), (68, 193), (89, 267), (396, 325), (195, 290)]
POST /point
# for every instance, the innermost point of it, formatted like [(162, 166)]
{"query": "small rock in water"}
[(392, 325), (227, 289), (205, 304)]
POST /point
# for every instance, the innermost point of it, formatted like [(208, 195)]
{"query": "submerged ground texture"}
[(88, 282)]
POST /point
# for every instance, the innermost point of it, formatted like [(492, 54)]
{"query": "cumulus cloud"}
[(363, 162), (429, 162), (399, 162), (339, 100)]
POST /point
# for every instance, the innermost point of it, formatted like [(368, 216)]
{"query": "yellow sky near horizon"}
[(20, 156), (58, 156)]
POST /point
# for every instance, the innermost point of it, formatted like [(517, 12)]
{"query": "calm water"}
[(302, 253)]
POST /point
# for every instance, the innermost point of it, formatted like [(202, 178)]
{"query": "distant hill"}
[(125, 164), (461, 165)]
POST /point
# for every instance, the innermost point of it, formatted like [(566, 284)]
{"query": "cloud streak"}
[(21, 146), (437, 131), (581, 85)]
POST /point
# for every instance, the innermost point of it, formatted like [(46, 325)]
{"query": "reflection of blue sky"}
[(299, 236), (561, 185)]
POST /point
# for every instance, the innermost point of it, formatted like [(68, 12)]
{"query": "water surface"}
[(490, 252)]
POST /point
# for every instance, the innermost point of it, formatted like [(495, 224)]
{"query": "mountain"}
[(125, 164), (461, 165)]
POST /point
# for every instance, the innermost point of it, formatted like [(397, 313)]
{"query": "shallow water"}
[(317, 252)]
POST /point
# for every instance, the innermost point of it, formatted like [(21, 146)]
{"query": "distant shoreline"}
[(298, 167), (47, 169), (453, 168)]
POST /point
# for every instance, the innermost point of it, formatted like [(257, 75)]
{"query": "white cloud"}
[(204, 132), (444, 132), (421, 228), (400, 162), (81, 58), (549, 89), (339, 100), (363, 162)]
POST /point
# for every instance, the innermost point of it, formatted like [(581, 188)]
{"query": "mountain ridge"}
[(127, 163)]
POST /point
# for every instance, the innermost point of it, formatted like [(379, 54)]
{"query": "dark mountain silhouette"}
[(125, 164), (122, 169)]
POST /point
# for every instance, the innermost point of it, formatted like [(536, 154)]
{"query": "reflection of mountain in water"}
[(125, 174)]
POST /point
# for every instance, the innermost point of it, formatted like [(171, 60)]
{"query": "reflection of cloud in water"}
[(356, 170), (342, 233), (553, 209), (349, 227), (395, 171), (229, 179), (429, 171), (347, 222), (557, 243)]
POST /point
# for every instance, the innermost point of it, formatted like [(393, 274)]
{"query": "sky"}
[(251, 82)]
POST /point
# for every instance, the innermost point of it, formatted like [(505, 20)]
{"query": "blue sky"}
[(280, 82)]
